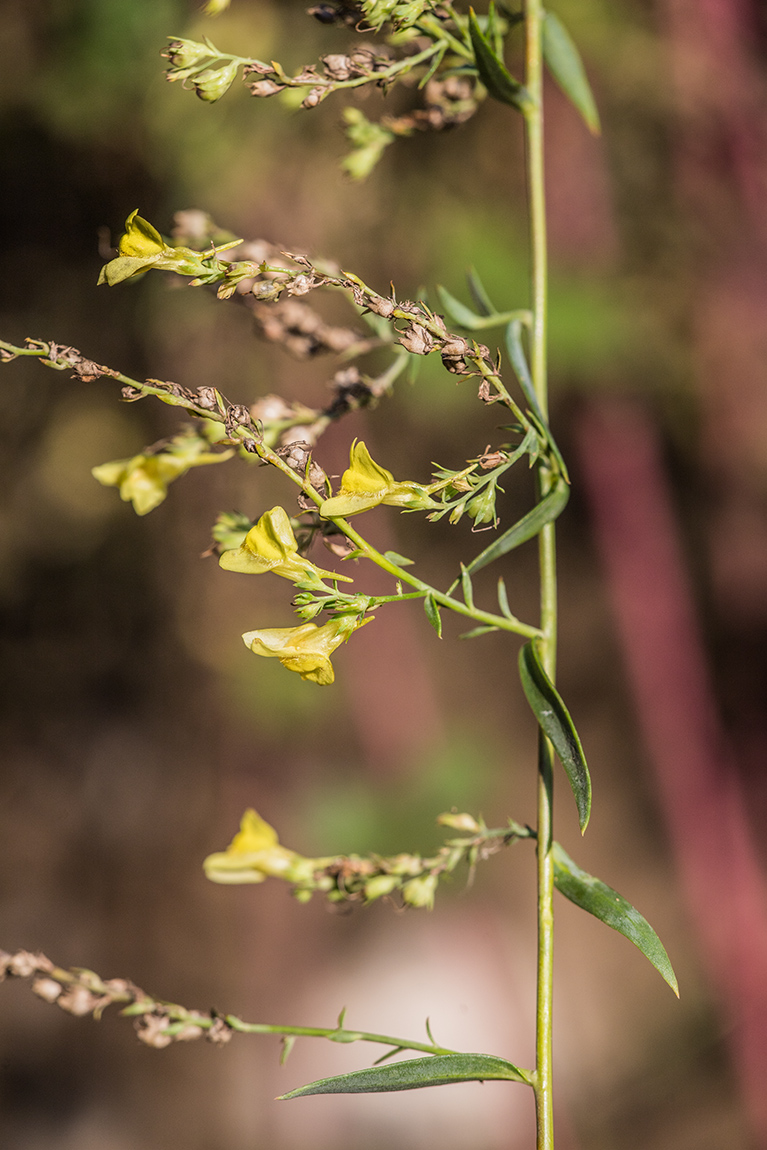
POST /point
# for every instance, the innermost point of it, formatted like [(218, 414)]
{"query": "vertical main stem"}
[(548, 575)]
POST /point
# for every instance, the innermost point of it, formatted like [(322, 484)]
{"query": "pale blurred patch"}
[(83, 435)]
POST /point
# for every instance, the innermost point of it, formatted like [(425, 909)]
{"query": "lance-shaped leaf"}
[(611, 908), (436, 1070), (493, 72), (432, 614), (458, 311), (518, 361), (554, 720), (566, 66), (528, 526), (466, 588), (484, 304)]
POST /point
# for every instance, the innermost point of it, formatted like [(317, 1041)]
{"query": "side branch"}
[(159, 1023)]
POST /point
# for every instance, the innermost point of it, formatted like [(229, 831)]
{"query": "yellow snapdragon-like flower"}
[(305, 649), (365, 484), (142, 247), (143, 480), (271, 546), (255, 854)]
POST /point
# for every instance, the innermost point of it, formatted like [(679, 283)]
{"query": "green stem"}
[(447, 601), (547, 563), (402, 66), (335, 1034)]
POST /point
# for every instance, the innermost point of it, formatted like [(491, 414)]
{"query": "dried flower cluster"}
[(82, 992)]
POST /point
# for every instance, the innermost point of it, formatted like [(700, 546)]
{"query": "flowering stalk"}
[(461, 62), (533, 119), (159, 1023), (209, 404)]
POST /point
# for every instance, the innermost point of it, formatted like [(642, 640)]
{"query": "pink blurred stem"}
[(699, 788)]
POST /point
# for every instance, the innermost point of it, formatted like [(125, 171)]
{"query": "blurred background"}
[(136, 727)]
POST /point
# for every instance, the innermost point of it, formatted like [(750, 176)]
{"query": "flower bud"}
[(459, 822), (211, 84), (482, 507), (405, 864), (380, 885), (420, 892), (185, 53)]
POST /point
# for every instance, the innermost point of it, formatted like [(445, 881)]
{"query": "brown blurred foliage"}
[(135, 728)]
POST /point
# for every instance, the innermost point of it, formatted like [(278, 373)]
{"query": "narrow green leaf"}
[(545, 432), (400, 560), (415, 1073), (566, 66), (432, 67), (613, 909), (432, 614), (518, 361), (466, 587), (288, 1042), (481, 299), (476, 632), (493, 29), (528, 526), (554, 720), (493, 72), (503, 599), (457, 311)]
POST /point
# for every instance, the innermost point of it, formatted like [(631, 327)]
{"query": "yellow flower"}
[(255, 854), (366, 484), (305, 649), (142, 247), (144, 479), (271, 546)]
